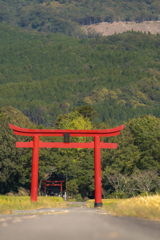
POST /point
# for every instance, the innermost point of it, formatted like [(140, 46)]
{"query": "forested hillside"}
[(47, 75), (52, 75), (65, 16)]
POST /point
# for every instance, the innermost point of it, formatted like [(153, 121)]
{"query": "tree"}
[(117, 181), (76, 164), (145, 181), (15, 163), (87, 112)]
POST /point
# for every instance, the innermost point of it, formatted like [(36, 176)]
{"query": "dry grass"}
[(147, 207), (10, 203)]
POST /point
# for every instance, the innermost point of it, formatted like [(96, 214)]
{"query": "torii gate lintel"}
[(36, 144)]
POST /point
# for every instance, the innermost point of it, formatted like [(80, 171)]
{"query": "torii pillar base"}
[(98, 205)]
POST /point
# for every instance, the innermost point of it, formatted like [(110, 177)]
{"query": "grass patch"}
[(147, 207), (10, 203), (71, 200)]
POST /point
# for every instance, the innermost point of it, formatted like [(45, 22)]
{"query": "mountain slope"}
[(47, 75), (65, 16)]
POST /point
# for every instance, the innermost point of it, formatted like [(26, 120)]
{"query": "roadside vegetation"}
[(10, 203), (147, 207)]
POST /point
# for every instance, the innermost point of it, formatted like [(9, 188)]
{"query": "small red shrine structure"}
[(51, 182), (36, 144)]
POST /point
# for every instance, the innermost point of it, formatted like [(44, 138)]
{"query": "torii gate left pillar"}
[(36, 144)]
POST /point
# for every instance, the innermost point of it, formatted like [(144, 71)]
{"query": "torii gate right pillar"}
[(97, 167)]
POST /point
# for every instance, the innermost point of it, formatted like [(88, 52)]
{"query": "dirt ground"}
[(119, 27)]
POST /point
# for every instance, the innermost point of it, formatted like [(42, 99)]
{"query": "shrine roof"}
[(54, 177)]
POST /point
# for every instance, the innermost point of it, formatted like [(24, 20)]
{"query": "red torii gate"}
[(36, 144)]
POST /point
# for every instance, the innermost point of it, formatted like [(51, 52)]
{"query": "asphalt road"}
[(75, 223)]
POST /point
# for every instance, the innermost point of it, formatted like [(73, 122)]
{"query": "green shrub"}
[(120, 195), (79, 198)]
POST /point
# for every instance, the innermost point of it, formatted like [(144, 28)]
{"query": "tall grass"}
[(147, 207), (10, 203)]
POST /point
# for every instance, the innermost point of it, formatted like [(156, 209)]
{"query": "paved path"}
[(75, 223)]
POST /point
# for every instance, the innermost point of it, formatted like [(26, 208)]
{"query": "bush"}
[(144, 194), (120, 195), (21, 192), (79, 198)]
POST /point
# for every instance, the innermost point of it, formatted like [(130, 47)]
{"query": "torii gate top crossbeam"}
[(73, 133)]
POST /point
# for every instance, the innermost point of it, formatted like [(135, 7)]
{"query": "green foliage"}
[(79, 198), (120, 195), (135, 166), (15, 163), (87, 111), (118, 75), (72, 186), (65, 16)]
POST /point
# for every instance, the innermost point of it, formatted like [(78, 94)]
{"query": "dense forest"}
[(66, 16), (131, 169), (45, 75)]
